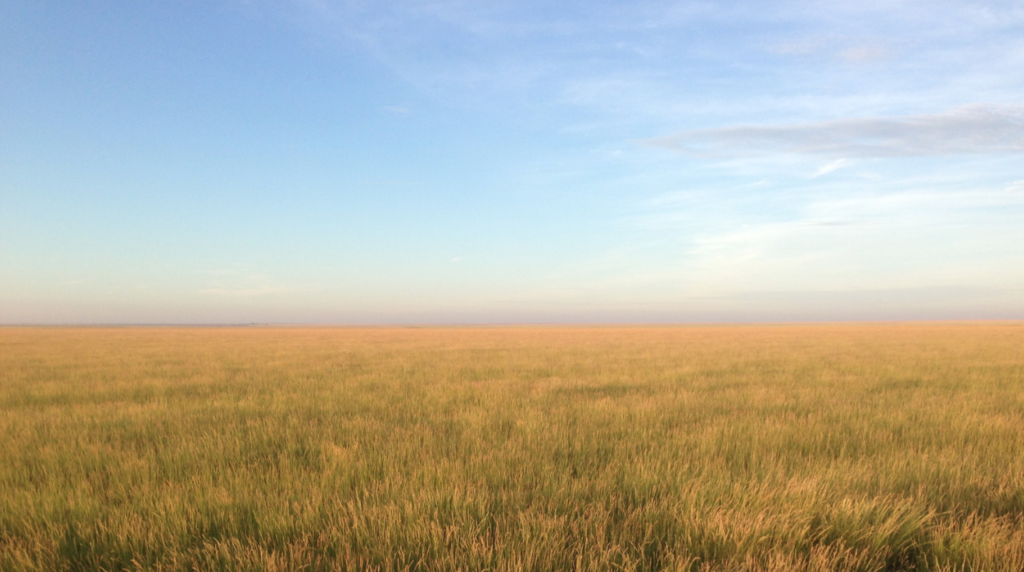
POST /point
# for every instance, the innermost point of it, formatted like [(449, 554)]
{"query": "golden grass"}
[(824, 447)]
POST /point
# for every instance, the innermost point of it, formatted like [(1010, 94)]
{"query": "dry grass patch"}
[(826, 447)]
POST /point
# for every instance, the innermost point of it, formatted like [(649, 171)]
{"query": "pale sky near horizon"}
[(431, 161)]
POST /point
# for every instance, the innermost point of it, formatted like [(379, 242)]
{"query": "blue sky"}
[(490, 162)]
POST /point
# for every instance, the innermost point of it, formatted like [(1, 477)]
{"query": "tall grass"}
[(841, 447)]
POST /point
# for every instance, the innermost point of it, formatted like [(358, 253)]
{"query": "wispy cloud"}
[(830, 167), (975, 129), (240, 281), (668, 61), (910, 239)]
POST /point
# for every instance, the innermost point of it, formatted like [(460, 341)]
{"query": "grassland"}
[(825, 447)]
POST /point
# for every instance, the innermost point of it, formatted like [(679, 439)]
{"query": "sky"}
[(491, 161)]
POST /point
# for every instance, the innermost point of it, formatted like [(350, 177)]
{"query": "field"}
[(818, 447)]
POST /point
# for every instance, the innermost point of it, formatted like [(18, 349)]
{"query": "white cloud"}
[(830, 167), (975, 129)]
